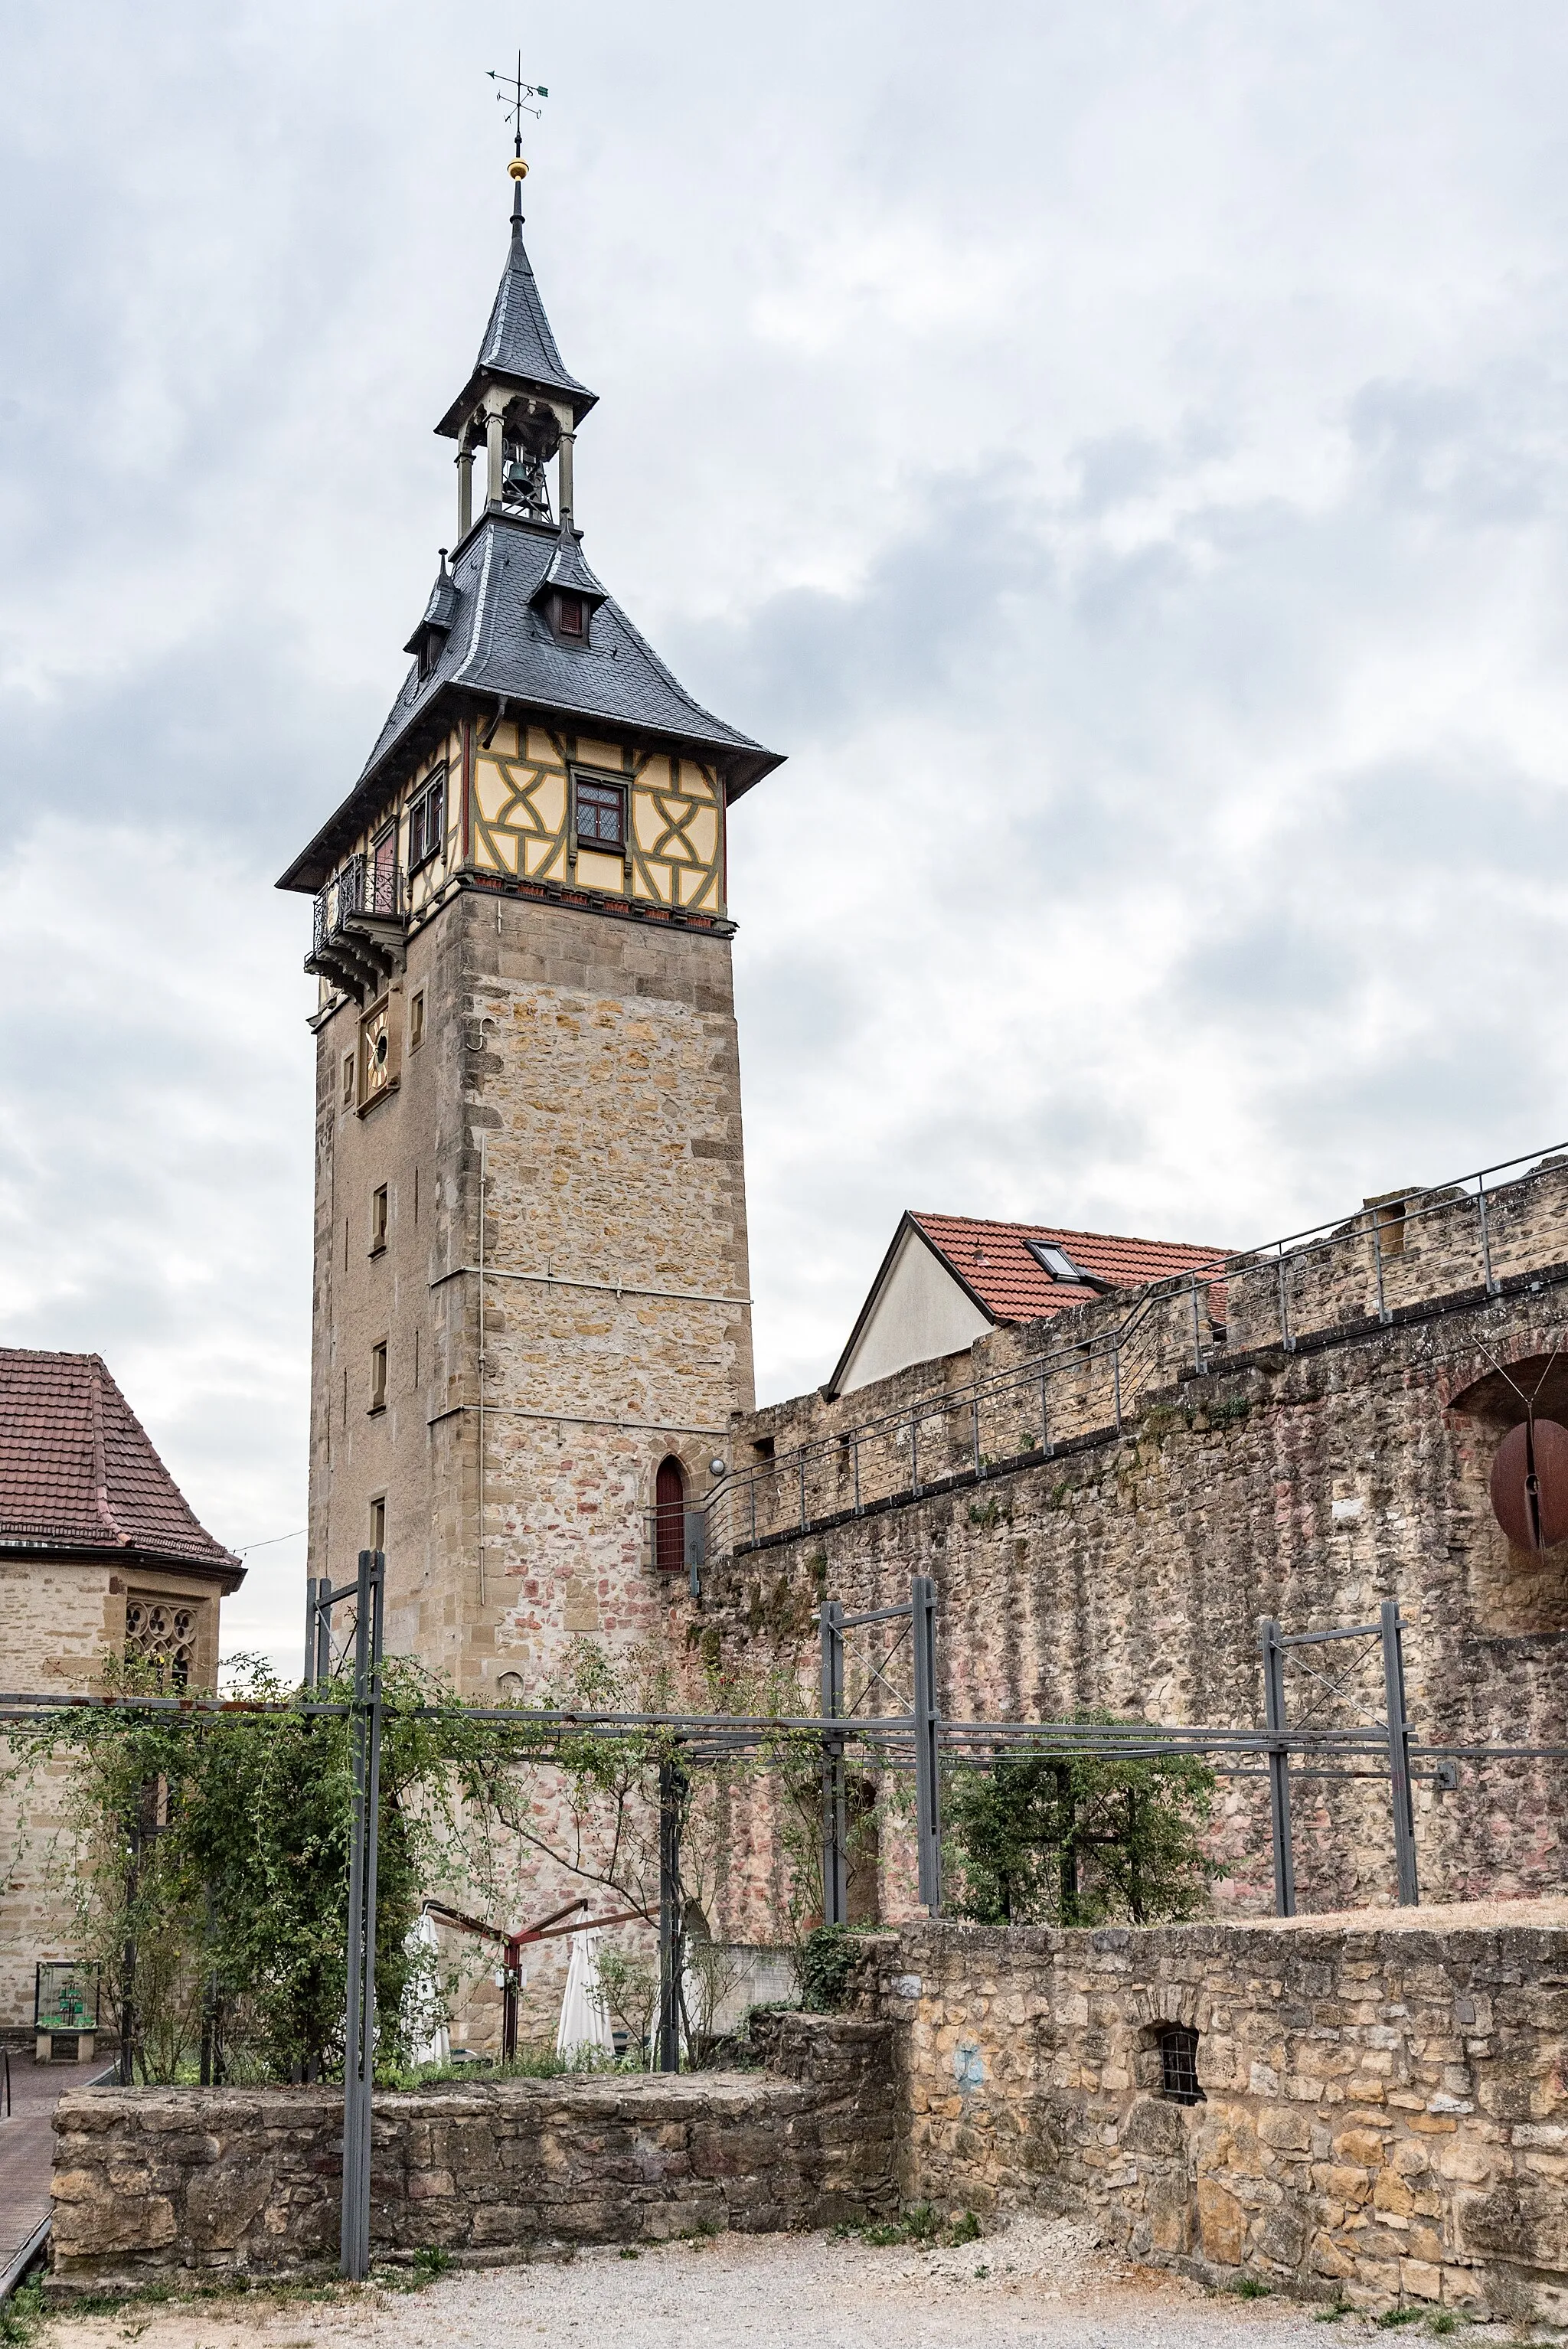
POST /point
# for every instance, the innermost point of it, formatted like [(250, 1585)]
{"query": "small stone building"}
[(100, 1553)]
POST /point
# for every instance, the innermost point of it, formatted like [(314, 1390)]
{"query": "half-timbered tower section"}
[(531, 1321)]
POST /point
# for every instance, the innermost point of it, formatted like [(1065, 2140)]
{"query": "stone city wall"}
[(1128, 1570), (1384, 2106), (152, 2181)]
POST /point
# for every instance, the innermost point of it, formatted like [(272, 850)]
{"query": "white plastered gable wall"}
[(919, 1313)]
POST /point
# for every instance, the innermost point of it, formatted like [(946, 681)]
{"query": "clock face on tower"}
[(377, 1054)]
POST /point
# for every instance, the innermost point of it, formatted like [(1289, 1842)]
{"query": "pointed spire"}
[(518, 346)]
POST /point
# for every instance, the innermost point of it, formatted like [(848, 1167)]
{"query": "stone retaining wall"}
[(1385, 2114), (149, 2181)]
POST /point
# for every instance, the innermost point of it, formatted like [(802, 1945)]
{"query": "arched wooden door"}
[(669, 1516)]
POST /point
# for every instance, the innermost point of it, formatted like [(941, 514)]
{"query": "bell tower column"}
[(495, 445), (465, 486), (568, 441)]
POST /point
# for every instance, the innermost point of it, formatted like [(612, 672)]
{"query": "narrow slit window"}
[(378, 1220), (416, 1019), (378, 1522), (378, 1376)]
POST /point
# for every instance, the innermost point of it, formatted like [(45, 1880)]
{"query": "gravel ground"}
[(1038, 2283)]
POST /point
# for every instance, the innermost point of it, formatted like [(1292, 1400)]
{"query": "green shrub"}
[(1067, 1838), (828, 1958)]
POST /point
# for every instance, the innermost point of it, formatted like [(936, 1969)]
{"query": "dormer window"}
[(1056, 1260), (572, 618)]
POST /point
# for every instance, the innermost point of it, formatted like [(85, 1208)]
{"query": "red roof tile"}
[(992, 1260), (78, 1470)]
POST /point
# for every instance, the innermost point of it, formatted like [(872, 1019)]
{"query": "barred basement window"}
[(162, 1632), (1179, 2065)]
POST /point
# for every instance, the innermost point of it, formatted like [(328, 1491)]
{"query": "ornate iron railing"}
[(363, 885)]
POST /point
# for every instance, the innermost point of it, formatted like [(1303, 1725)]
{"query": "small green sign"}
[(67, 1996)]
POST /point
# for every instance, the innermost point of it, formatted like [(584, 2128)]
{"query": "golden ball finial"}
[(517, 169)]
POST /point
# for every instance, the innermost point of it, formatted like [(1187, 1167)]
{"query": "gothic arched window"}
[(669, 1516)]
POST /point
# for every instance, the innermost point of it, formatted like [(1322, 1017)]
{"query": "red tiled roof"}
[(992, 1260), (78, 1470)]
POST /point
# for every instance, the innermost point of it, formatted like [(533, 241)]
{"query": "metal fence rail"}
[(919, 1741), (1391, 1259)]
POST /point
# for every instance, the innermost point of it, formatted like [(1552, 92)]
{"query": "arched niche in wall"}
[(1516, 1588)]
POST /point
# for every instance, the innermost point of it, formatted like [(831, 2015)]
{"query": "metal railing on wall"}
[(1392, 1259), (917, 1739)]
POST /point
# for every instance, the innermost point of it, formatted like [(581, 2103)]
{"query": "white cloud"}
[(1119, 454)]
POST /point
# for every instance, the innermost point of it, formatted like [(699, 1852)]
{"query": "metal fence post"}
[(359, 2022), (835, 1820), (671, 1788), (1286, 1341), (927, 1733), (1485, 1237), (1383, 1314), (309, 1630), (1279, 1766), (1400, 1755), (324, 1603)]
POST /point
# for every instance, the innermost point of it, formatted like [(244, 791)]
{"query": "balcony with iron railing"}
[(357, 931)]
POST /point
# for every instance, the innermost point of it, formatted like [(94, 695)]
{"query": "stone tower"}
[(532, 1325)]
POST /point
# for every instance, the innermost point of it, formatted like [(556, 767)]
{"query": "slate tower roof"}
[(485, 638), (519, 346)]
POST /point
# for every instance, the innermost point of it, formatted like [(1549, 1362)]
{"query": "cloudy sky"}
[(1118, 450)]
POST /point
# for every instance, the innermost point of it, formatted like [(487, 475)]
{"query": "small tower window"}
[(416, 1038), (600, 814), (572, 616), (1179, 2065), (669, 1516), (378, 1522), (378, 1220), (378, 1376), (426, 821)]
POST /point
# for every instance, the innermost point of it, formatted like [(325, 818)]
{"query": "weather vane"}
[(514, 94)]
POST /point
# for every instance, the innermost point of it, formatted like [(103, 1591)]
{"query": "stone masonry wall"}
[(596, 1060), (1385, 2114), (1128, 1569), (150, 2181)]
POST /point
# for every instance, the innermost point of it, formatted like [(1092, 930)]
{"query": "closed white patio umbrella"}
[(583, 2020)]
